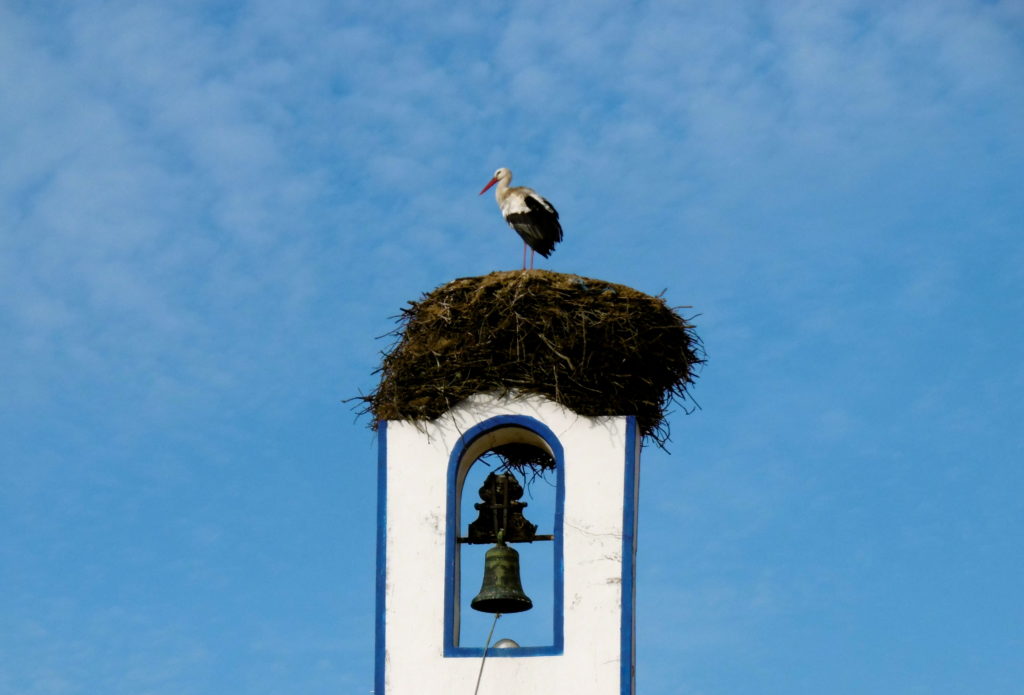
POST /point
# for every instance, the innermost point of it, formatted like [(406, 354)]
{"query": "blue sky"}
[(208, 212)]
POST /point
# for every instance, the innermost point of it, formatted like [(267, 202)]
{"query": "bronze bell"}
[(502, 590)]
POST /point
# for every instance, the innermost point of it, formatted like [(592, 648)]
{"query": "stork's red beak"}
[(489, 184)]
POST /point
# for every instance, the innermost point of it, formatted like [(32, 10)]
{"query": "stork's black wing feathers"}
[(539, 227)]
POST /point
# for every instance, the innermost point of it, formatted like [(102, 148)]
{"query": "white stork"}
[(533, 218)]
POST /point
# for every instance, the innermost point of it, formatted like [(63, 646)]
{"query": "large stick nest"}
[(596, 348)]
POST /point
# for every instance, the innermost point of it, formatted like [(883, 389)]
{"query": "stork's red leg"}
[(532, 253), (524, 255)]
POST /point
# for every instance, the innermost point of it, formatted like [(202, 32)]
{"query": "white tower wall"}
[(594, 650)]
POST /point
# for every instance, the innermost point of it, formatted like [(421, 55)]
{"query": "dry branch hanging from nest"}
[(595, 347)]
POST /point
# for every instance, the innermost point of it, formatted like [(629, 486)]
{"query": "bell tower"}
[(510, 416)]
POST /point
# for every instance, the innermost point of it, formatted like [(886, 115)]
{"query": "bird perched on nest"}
[(534, 219)]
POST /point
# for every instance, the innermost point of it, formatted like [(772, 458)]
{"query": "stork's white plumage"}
[(534, 219)]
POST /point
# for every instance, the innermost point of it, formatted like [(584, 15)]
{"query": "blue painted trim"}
[(629, 518), (382, 532), (508, 652), (558, 618)]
